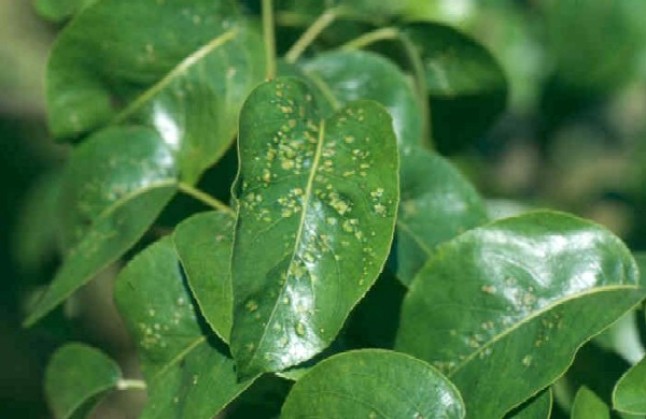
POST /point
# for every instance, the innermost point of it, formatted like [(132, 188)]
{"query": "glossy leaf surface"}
[(76, 375), (204, 242), (466, 86), (515, 299), (188, 372), (115, 186), (538, 407), (373, 383), (437, 204), (181, 67), (629, 395), (588, 405), (344, 76), (317, 202)]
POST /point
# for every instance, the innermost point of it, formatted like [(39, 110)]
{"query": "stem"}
[(415, 60), (269, 37), (312, 33), (371, 37), (420, 83), (130, 384), (204, 198)]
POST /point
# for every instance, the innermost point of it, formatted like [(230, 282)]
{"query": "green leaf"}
[(60, 10), (583, 43), (588, 405), (437, 204), (114, 187), (344, 76), (466, 85), (188, 373), (373, 383), (204, 243), (317, 202), (76, 376), (508, 304), (181, 67), (538, 407), (629, 395)]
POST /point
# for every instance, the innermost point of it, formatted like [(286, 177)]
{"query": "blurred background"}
[(573, 138)]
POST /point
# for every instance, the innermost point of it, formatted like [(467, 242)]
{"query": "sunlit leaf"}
[(508, 304), (588, 405), (77, 375), (317, 201), (437, 204), (373, 383), (204, 243), (188, 371), (181, 67), (114, 187)]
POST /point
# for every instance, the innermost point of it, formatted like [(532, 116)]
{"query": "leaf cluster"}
[(349, 266)]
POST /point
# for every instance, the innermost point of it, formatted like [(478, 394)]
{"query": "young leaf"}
[(344, 76), (588, 405), (629, 395), (181, 67), (115, 186), (373, 383), (538, 407), (204, 243), (508, 304), (76, 376), (437, 204), (317, 202), (188, 373), (466, 85)]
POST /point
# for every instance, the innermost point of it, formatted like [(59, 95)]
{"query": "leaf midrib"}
[(181, 68), (536, 315), (306, 199)]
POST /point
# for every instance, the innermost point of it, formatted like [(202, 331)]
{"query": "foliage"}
[(350, 269)]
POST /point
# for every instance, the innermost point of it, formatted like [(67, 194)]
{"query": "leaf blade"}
[(114, 187), (373, 383), (188, 372), (629, 394), (204, 244), (77, 374), (290, 300), (522, 280)]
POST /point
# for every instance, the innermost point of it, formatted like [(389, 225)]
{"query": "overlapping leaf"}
[(204, 243), (538, 407), (344, 76), (317, 201), (373, 383), (188, 371), (114, 187), (182, 67), (437, 204), (588, 405), (77, 375), (466, 85), (629, 395), (508, 304)]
